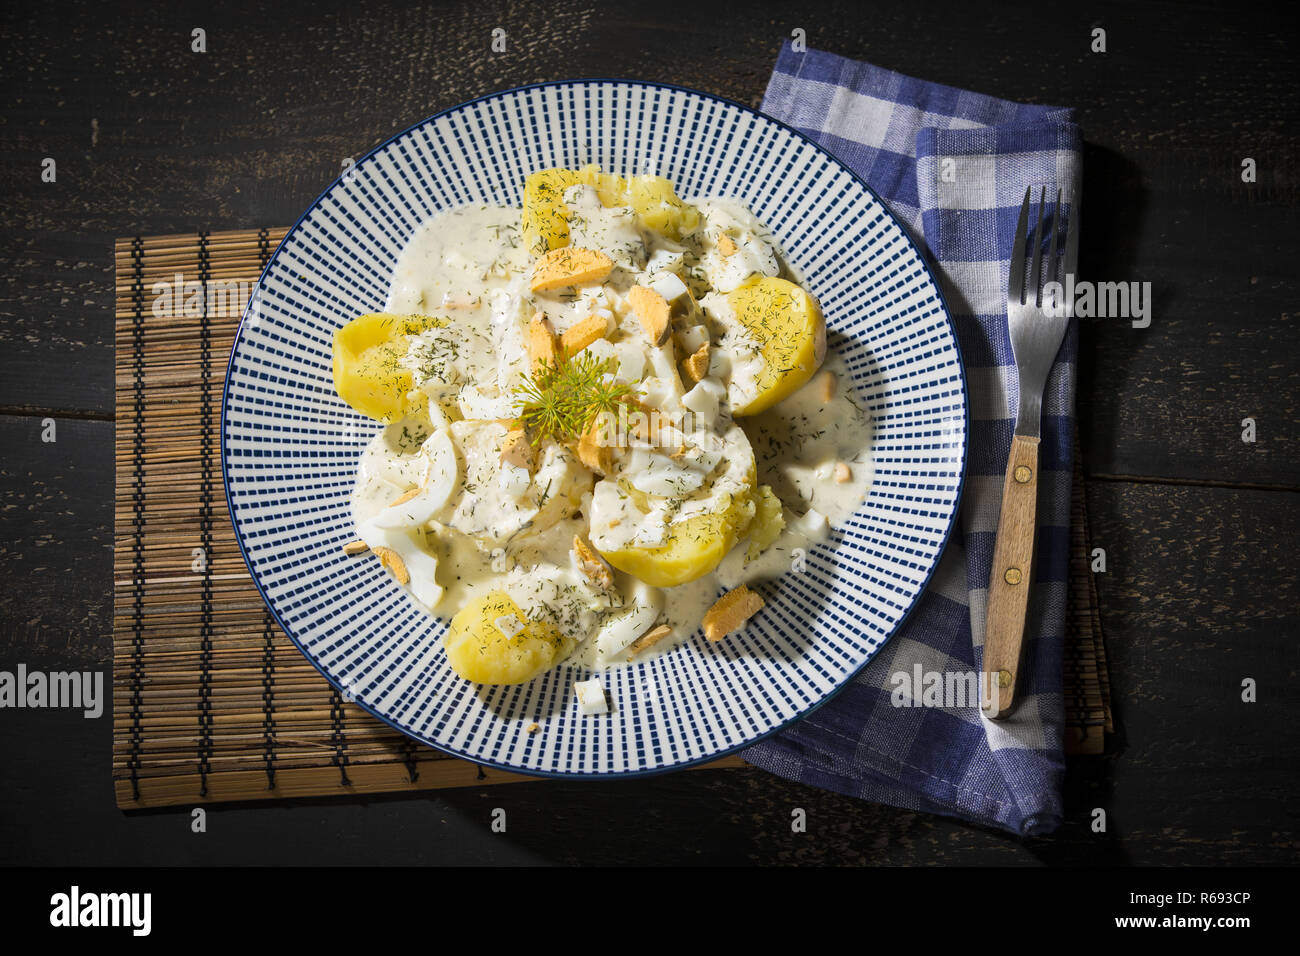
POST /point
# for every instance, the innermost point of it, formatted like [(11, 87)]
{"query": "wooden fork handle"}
[(1013, 558)]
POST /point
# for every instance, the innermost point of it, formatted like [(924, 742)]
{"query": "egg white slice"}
[(441, 471), (620, 631), (420, 565)]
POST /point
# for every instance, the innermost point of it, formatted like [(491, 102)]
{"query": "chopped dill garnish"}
[(561, 400)]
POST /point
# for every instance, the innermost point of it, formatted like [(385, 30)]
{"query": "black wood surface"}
[(1199, 527)]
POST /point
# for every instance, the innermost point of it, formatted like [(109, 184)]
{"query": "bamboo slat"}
[(1087, 684)]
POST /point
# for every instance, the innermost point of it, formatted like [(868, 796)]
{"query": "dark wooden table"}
[(1201, 529)]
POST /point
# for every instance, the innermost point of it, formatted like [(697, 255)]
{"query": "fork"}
[(1037, 323)]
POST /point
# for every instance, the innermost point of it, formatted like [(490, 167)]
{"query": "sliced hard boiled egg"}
[(421, 567), (621, 630), (657, 474), (441, 472)]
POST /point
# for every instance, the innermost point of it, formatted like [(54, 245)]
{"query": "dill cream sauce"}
[(470, 268)]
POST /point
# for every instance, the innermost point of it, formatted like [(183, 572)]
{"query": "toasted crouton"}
[(403, 499), (591, 564), (570, 265), (826, 385), (517, 450), (578, 337), (649, 639), (697, 366), (652, 310), (730, 612), (542, 347), (592, 452)]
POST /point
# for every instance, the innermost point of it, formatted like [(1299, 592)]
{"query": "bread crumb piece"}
[(730, 612), (842, 473), (697, 366), (534, 727), (355, 547), (726, 245), (405, 498), (591, 452)]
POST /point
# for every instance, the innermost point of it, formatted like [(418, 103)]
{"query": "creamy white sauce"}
[(798, 442), (513, 530)]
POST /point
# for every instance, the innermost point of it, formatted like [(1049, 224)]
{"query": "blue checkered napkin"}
[(953, 167)]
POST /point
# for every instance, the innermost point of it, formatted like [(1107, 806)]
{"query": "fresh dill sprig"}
[(560, 400)]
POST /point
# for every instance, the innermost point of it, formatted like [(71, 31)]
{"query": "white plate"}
[(290, 446)]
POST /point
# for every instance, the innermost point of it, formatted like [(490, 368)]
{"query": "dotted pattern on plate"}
[(290, 446)]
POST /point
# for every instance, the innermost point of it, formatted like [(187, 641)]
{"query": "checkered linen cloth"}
[(953, 167)]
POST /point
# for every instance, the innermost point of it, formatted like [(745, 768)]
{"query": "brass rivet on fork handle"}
[(994, 685), (1012, 576)]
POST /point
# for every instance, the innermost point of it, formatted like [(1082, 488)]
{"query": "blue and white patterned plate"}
[(290, 446)]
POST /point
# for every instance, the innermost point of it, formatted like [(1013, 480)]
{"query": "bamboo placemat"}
[(1087, 681), (211, 701)]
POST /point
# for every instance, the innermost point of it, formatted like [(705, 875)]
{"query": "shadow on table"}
[(1114, 209)]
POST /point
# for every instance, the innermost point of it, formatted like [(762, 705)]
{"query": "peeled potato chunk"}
[(790, 330), (610, 188), (769, 521), (652, 197), (705, 526), (657, 204), (694, 547), (545, 217), (492, 641), (367, 353)]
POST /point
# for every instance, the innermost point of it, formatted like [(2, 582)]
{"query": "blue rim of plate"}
[(922, 257)]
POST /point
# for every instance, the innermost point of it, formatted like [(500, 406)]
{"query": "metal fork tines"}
[(1037, 321)]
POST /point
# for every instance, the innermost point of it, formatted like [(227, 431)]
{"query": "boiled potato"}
[(610, 188), (787, 322), (695, 546), (367, 373), (651, 197), (546, 218), (769, 522), (657, 204), (481, 651)]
